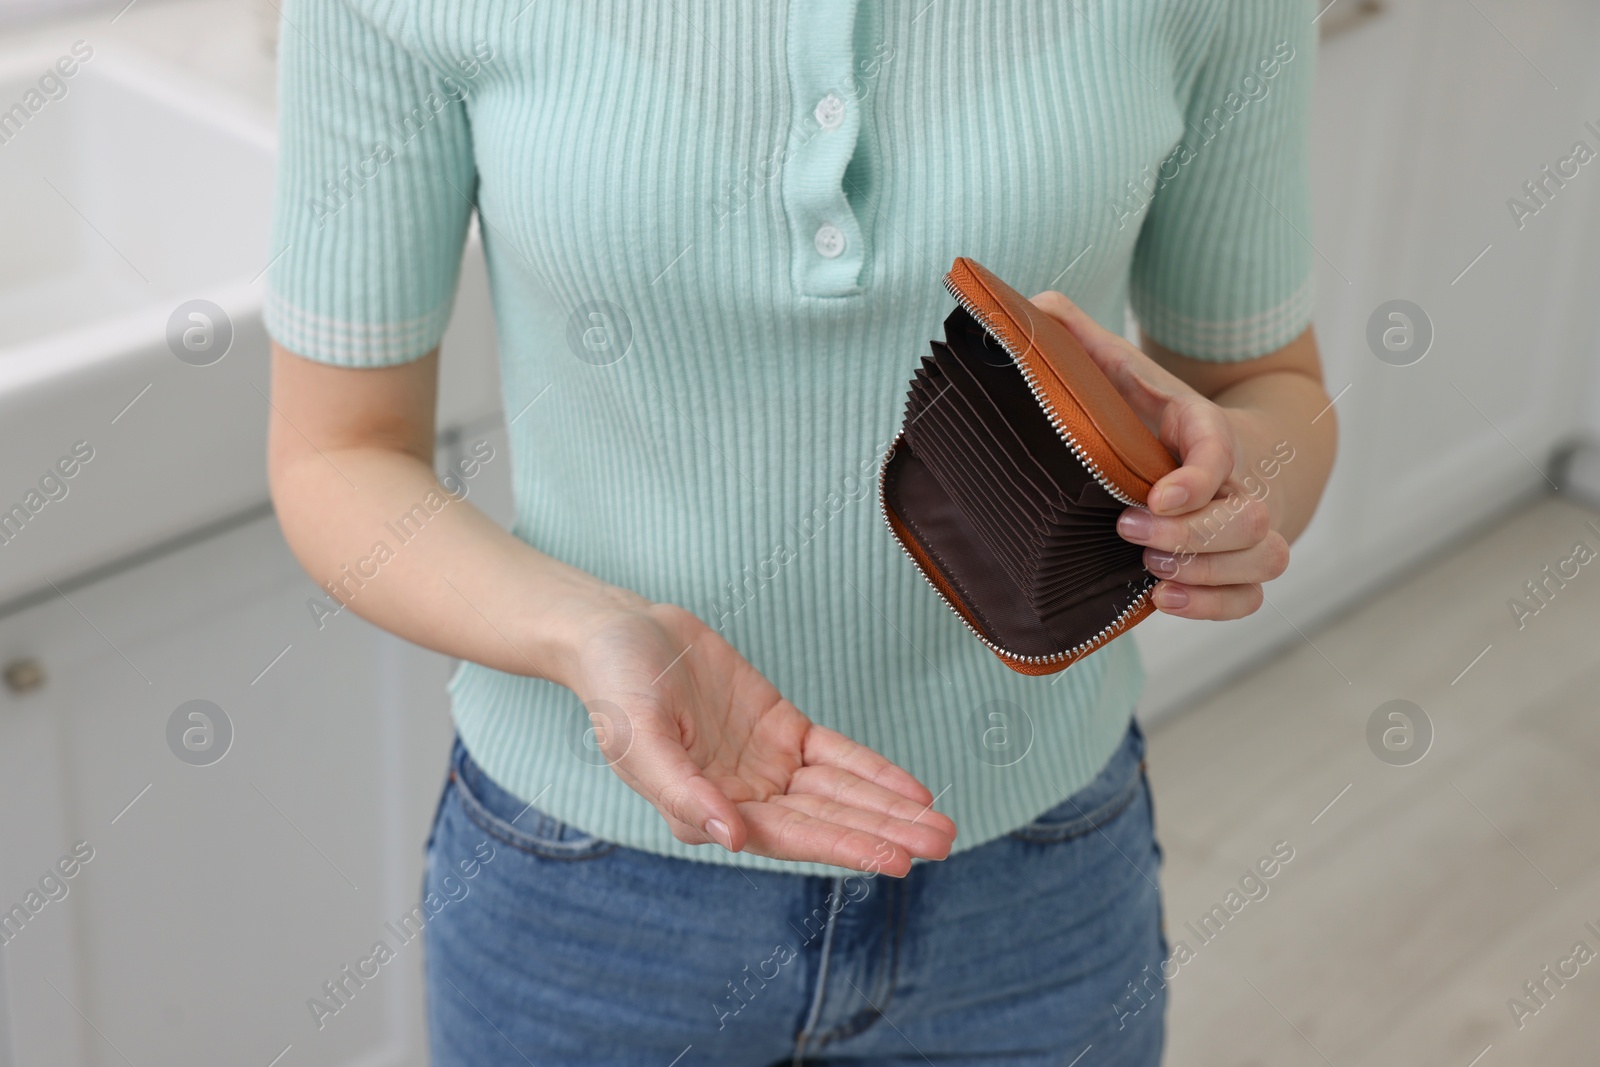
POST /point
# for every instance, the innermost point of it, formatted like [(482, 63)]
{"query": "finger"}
[(1197, 430), (659, 769), (919, 839), (1226, 525), (786, 833), (843, 787), (829, 747), (1206, 601), (1098, 341), (1261, 562)]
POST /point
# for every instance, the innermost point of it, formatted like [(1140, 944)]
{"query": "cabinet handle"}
[(1341, 16), (24, 675)]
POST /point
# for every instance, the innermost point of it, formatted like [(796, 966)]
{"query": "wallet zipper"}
[(1074, 652), (1044, 402)]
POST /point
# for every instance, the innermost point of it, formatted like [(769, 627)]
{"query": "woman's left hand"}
[(1211, 544)]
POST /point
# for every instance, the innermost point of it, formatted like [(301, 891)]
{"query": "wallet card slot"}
[(1015, 402), (986, 476), (1020, 416), (1020, 494), (1082, 576), (1082, 530), (1095, 547), (1003, 610), (1089, 557), (918, 399), (1058, 548), (983, 411), (1091, 545), (985, 473), (971, 483), (948, 536), (1094, 495), (1125, 583), (1002, 542), (1069, 530)]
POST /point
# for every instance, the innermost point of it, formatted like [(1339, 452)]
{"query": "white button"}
[(830, 241), (829, 112)]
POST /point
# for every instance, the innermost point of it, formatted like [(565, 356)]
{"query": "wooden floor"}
[(1420, 899)]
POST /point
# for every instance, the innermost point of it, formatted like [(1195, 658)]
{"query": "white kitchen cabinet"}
[(220, 897), (1484, 114), (1428, 117)]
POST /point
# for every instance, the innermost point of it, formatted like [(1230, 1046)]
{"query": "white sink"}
[(127, 194), (121, 201)]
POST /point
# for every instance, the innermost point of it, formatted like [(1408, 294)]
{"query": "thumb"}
[(1095, 338), (1147, 386)]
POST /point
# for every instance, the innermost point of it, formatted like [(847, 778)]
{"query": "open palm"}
[(692, 727)]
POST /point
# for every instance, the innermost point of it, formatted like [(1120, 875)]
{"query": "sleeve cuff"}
[(353, 344), (1230, 340)]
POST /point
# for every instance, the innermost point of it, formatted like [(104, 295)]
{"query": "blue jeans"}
[(545, 945)]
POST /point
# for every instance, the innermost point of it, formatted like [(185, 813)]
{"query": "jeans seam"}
[(480, 816), (438, 810), (1086, 824), (1155, 847), (877, 1007), (894, 933), (815, 1014)]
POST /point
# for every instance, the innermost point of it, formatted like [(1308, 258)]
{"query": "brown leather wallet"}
[(1005, 481)]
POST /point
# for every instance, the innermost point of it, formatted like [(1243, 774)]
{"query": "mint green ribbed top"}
[(715, 233)]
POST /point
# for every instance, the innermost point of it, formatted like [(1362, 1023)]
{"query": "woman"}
[(716, 736)]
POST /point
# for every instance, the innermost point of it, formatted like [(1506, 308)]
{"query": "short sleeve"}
[(373, 191), (1223, 268)]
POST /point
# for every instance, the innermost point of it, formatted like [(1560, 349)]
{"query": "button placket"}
[(826, 240)]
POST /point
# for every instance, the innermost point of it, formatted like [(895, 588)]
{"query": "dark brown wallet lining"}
[(998, 500)]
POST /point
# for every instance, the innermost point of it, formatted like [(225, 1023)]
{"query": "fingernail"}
[(1171, 498), (1170, 596), (1136, 525), (718, 830), (1162, 563)]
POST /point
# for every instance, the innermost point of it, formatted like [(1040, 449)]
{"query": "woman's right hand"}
[(693, 728)]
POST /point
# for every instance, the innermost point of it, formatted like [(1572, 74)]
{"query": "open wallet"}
[(1004, 484)]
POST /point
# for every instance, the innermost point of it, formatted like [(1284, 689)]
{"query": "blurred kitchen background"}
[(1444, 850)]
